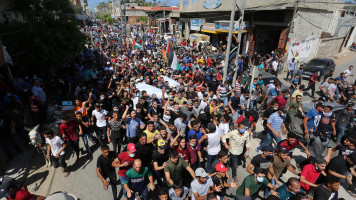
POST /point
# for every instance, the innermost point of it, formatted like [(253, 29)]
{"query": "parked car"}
[(325, 65), (270, 78)]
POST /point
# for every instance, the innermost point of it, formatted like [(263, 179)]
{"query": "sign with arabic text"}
[(212, 4)]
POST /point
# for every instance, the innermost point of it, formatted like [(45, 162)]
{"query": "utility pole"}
[(123, 16), (242, 9), (164, 22), (232, 17)]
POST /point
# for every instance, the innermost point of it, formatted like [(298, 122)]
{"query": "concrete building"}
[(101, 9), (314, 30)]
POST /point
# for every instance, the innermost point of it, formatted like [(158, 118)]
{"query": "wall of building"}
[(136, 13), (133, 20), (308, 26), (329, 46), (344, 25)]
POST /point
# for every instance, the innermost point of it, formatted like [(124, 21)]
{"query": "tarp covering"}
[(150, 90)]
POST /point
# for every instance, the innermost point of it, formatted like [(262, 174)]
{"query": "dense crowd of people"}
[(182, 142)]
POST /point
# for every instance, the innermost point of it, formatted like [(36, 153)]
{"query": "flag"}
[(170, 54), (4, 56), (134, 44), (175, 64)]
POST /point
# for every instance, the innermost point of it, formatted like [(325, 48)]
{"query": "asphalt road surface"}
[(84, 183)]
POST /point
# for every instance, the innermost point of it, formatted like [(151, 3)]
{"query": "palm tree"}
[(154, 2)]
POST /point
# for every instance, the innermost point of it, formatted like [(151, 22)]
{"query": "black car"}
[(270, 78), (325, 65)]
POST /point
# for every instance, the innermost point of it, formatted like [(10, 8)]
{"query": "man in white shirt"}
[(348, 72), (275, 68), (100, 116), (201, 185), (55, 151)]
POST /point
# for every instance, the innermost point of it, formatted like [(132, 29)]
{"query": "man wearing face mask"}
[(263, 161), (275, 126), (237, 140), (311, 173), (252, 185), (322, 138), (125, 161), (289, 189), (281, 98)]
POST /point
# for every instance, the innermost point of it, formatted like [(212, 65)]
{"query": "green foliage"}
[(47, 37), (142, 19), (106, 18), (351, 6)]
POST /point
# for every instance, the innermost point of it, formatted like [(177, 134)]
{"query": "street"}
[(84, 183)]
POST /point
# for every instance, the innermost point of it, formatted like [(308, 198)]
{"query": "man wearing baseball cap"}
[(201, 185), (125, 161), (159, 158), (280, 163), (275, 126), (220, 177)]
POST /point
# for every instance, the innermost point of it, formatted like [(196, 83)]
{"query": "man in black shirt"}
[(141, 113), (84, 130), (144, 149), (263, 161), (328, 191), (340, 167), (159, 158), (104, 169)]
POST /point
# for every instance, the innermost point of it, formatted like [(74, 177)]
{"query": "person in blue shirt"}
[(132, 125), (196, 130), (312, 119), (292, 187), (260, 68), (260, 81), (293, 84)]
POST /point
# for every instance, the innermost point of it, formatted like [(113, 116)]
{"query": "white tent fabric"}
[(172, 83), (151, 90)]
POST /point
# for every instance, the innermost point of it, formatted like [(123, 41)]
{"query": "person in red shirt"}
[(291, 143), (194, 152), (281, 99), (313, 80), (311, 173), (179, 145), (69, 133), (22, 194), (125, 161)]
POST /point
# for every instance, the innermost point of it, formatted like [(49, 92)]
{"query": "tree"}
[(46, 37), (351, 6)]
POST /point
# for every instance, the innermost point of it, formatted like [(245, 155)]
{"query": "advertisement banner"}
[(225, 26), (195, 24)]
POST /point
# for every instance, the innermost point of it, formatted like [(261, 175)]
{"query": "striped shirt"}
[(224, 90), (276, 122)]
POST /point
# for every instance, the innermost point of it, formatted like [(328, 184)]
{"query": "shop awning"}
[(207, 31), (226, 31)]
